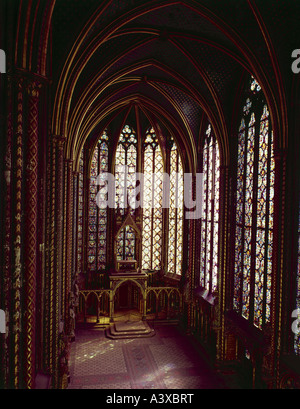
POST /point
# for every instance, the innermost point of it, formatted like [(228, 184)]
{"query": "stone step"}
[(131, 326), (92, 327), (164, 322), (129, 330)]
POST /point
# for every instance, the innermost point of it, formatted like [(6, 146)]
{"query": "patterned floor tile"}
[(170, 357), (123, 385), (141, 366), (192, 382), (165, 361)]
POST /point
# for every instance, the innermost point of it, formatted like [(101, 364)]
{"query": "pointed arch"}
[(97, 218), (175, 221), (152, 202), (210, 213), (126, 167), (254, 210)]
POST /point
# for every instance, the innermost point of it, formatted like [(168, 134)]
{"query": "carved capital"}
[(69, 163), (33, 89), (59, 141)]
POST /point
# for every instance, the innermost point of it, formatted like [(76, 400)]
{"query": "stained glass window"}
[(265, 222), (97, 228), (254, 211), (126, 169), (126, 244), (175, 242), (127, 164), (152, 203), (210, 218)]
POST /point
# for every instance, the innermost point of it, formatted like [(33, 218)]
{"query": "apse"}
[(133, 141)]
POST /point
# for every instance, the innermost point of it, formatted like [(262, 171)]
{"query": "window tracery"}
[(175, 238), (97, 225), (152, 203), (132, 157), (210, 213), (254, 211)]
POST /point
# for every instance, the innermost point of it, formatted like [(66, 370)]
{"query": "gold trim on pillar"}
[(17, 313), (30, 241), (55, 251)]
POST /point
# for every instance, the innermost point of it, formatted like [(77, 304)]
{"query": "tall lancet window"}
[(175, 242), (254, 211), (126, 244), (97, 226), (210, 215), (126, 169), (152, 203)]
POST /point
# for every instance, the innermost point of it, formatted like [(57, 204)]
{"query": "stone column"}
[(68, 239), (54, 254), (58, 256), (190, 278), (30, 239), (17, 245), (278, 271), (221, 293), (111, 301), (5, 302), (144, 306)]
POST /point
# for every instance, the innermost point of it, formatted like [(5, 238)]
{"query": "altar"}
[(117, 279), (127, 253)]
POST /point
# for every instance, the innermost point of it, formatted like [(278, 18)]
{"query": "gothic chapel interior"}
[(169, 90)]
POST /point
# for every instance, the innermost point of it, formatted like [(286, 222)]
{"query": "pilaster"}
[(30, 234)]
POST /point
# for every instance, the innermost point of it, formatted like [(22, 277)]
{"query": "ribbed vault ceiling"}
[(179, 61)]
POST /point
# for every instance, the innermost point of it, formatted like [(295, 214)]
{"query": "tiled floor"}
[(166, 361)]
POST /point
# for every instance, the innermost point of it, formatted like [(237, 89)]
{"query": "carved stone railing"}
[(98, 300), (164, 301), (160, 302)]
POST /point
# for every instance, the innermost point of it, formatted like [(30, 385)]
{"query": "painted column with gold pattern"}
[(68, 239), (190, 278), (17, 245), (219, 323), (30, 234), (5, 302)]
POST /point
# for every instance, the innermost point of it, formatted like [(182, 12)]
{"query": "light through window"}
[(175, 212), (254, 211), (210, 218), (152, 203)]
